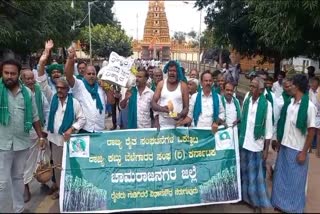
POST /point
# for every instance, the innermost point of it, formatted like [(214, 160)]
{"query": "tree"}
[(107, 38), (192, 34), (273, 29), (179, 36)]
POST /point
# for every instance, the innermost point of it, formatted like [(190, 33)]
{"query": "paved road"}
[(41, 203)]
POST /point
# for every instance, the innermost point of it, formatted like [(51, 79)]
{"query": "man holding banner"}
[(88, 92), (139, 100), (255, 135), (205, 109)]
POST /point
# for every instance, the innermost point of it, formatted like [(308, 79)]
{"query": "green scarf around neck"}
[(236, 103), (285, 97), (39, 101), (4, 106), (198, 106), (260, 122), (153, 86), (93, 90), (68, 116), (270, 99), (132, 109), (302, 117)]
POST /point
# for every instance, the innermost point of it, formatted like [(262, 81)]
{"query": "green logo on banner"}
[(224, 136), (78, 145)]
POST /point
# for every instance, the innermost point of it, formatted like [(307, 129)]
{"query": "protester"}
[(231, 105), (277, 87), (255, 136), (90, 95), (18, 114), (314, 94), (194, 74), (172, 95), (205, 109), (28, 79), (193, 85), (81, 66), (297, 128), (138, 100), (157, 77)]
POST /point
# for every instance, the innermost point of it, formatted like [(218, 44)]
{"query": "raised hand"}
[(71, 53), (49, 45)]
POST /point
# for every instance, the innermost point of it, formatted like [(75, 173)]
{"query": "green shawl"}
[(38, 96), (132, 109), (270, 99), (260, 122), (153, 86), (302, 117), (4, 106)]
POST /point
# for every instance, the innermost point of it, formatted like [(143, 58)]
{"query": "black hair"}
[(301, 82), (142, 69), (269, 78), (282, 73), (216, 73), (205, 72), (230, 83), (11, 61), (81, 62)]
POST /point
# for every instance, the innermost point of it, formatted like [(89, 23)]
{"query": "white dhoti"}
[(31, 164)]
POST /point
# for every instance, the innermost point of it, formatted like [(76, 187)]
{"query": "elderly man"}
[(297, 125), (254, 140), (157, 77), (138, 100), (193, 85), (27, 77), (171, 98), (18, 114), (205, 109), (90, 95)]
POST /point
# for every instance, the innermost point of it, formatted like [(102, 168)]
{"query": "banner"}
[(146, 169), (118, 69)]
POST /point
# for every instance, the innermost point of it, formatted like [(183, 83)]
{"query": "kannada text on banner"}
[(147, 169)]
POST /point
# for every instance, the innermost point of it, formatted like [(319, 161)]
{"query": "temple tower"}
[(156, 39)]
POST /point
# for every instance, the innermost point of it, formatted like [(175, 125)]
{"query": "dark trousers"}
[(114, 112)]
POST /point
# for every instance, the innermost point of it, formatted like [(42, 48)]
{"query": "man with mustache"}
[(88, 92), (297, 128), (231, 105), (81, 66), (18, 114), (27, 77), (65, 116), (171, 96), (205, 109), (138, 100), (157, 77), (254, 140)]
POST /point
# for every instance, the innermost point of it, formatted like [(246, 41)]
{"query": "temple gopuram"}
[(156, 42)]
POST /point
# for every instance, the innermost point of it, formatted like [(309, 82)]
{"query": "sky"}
[(181, 16)]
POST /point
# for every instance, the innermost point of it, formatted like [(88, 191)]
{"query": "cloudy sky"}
[(181, 16)]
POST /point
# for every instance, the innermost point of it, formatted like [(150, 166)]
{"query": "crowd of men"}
[(41, 108)]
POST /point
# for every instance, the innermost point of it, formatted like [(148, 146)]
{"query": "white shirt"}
[(249, 142), (95, 120), (206, 116), (277, 89), (78, 124), (143, 108), (231, 112), (292, 137), (314, 97)]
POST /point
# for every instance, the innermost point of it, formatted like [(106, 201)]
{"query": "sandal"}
[(55, 195)]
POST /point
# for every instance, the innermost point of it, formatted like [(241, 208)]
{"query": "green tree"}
[(107, 38), (179, 36), (193, 34), (273, 29)]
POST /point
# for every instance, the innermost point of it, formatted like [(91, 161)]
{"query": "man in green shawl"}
[(138, 100), (157, 77), (296, 131), (28, 80), (255, 134), (18, 114), (81, 66)]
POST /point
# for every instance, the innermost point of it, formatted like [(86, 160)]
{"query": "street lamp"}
[(89, 14), (199, 34)]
